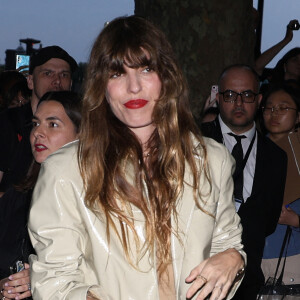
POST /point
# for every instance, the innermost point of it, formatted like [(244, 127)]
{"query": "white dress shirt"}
[(249, 170)]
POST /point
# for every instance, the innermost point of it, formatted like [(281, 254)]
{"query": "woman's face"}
[(132, 96), (276, 123), (52, 128), (292, 68)]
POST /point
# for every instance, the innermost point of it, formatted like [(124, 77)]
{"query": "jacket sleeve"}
[(62, 268), (228, 230)]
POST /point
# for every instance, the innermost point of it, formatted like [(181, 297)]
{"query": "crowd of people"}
[(119, 193)]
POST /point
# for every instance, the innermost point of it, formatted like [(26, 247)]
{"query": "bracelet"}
[(240, 273)]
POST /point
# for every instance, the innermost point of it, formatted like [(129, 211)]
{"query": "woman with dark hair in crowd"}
[(55, 123), (18, 95), (281, 117), (8, 79), (145, 211)]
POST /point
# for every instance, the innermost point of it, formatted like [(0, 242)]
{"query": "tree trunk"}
[(207, 35)]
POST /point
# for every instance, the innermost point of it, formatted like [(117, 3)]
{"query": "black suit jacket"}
[(259, 214)]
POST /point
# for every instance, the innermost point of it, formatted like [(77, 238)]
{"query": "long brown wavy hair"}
[(108, 148)]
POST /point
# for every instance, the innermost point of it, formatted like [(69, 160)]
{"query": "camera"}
[(295, 26)]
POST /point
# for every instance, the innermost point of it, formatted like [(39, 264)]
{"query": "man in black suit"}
[(260, 167)]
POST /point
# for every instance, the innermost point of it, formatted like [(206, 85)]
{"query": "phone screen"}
[(22, 61), (213, 93)]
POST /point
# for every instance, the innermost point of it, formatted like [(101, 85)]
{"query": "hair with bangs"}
[(111, 159)]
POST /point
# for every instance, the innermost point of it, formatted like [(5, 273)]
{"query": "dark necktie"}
[(237, 153)]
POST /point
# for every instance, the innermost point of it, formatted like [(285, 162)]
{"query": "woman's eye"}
[(147, 70), (52, 124), (115, 75), (34, 124)]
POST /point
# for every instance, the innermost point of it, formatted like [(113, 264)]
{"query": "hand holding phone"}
[(17, 267), (18, 284)]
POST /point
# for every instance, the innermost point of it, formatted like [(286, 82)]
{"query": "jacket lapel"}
[(185, 210), (259, 167)]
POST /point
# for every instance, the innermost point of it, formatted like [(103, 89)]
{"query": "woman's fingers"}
[(214, 276), (18, 285), (17, 292), (18, 279), (199, 282), (220, 291)]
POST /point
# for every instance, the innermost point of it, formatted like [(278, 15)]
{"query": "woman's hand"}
[(90, 296), (288, 217), (17, 286), (215, 275)]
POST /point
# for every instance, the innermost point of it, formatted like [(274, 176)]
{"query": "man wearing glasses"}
[(259, 177)]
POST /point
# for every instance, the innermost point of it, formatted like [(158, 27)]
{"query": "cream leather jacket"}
[(74, 256)]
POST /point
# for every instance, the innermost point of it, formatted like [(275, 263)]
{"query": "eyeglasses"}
[(231, 96), (280, 109)]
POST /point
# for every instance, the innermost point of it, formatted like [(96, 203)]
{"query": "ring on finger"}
[(202, 278), (219, 287), (29, 286)]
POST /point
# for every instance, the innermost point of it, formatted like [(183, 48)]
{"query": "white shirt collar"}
[(225, 129)]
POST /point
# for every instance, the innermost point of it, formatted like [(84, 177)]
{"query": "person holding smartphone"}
[(55, 123), (50, 69)]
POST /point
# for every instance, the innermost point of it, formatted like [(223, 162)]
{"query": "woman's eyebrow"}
[(53, 118)]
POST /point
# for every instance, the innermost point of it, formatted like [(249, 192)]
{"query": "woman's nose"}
[(38, 132), (134, 83)]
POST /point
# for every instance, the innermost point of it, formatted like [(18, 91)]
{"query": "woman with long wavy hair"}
[(142, 208)]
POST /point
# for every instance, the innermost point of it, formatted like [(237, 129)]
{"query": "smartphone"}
[(213, 93), (22, 61), (18, 266)]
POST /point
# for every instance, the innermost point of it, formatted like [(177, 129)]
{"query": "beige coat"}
[(73, 254)]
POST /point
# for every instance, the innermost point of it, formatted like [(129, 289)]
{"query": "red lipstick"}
[(40, 147), (137, 103)]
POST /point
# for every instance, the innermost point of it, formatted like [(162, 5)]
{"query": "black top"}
[(15, 159), (15, 150), (14, 240)]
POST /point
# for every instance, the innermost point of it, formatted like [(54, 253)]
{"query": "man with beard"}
[(259, 178)]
